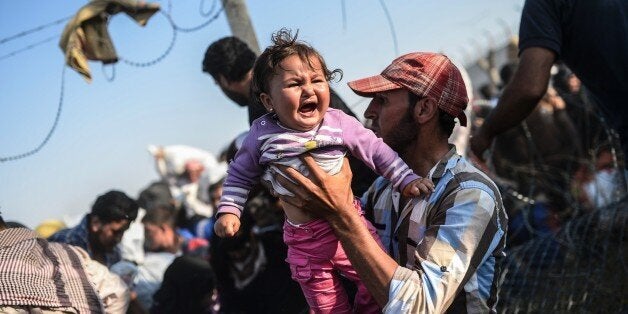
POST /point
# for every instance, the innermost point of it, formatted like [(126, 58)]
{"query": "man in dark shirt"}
[(591, 37)]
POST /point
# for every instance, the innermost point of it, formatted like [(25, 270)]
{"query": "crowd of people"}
[(308, 211)]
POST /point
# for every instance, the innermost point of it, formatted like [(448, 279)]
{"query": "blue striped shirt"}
[(449, 245)]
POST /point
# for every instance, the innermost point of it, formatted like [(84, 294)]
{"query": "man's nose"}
[(370, 112)]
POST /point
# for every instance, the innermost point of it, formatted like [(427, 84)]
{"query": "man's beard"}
[(401, 137), (97, 246), (241, 100)]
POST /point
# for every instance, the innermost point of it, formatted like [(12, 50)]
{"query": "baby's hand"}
[(418, 187), (227, 225)]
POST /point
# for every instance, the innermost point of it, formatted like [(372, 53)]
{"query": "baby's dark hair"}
[(284, 45)]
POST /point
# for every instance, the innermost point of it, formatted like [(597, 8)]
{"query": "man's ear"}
[(222, 80), (266, 101), (425, 109), (94, 223)]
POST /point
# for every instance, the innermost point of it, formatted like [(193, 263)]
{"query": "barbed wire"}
[(34, 30), (164, 54), (111, 76), (542, 177), (202, 25), (61, 20), (29, 47), (211, 9), (581, 268), (50, 132), (175, 30), (572, 258)]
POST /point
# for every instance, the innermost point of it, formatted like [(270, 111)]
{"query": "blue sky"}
[(104, 128)]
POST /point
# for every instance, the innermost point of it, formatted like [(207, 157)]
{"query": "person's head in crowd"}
[(287, 71), (187, 287), (160, 234), (434, 90), (481, 110), (193, 170), (507, 72), (488, 91), (110, 217), (566, 81), (559, 79), (574, 84), (156, 194), (229, 61)]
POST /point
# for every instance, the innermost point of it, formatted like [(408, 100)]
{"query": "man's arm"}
[(519, 99), (332, 198)]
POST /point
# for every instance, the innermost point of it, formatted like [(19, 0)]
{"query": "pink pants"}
[(315, 257)]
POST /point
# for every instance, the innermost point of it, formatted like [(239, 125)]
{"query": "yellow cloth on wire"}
[(86, 36)]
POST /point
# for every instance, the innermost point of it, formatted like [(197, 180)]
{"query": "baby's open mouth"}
[(307, 108)]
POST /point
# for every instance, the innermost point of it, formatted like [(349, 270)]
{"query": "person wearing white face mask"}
[(604, 185)]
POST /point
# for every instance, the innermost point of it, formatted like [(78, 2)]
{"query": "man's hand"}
[(322, 194), (331, 197), (418, 187), (227, 225)]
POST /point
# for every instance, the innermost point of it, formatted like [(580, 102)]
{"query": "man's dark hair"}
[(156, 194), (488, 91), (446, 122), (114, 206), (160, 215), (229, 57), (283, 46)]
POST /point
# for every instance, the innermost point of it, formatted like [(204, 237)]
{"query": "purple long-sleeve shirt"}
[(268, 141)]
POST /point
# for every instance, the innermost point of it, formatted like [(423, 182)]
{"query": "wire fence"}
[(213, 14), (567, 245), (581, 269)]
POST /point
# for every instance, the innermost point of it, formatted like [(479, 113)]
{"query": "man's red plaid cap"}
[(424, 74)]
